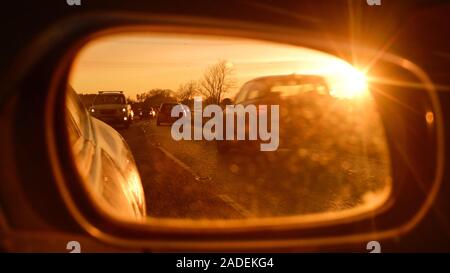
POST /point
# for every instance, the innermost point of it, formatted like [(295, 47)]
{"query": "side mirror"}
[(345, 167)]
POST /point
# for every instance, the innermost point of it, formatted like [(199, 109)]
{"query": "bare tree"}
[(187, 91), (131, 100), (217, 80)]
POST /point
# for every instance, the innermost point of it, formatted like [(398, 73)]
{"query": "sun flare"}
[(348, 82)]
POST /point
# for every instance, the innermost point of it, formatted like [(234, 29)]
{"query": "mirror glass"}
[(209, 127)]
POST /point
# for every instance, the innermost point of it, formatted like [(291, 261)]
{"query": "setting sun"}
[(346, 81)]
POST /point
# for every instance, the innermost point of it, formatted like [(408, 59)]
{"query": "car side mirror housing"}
[(416, 159)]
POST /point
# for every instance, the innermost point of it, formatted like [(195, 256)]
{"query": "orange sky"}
[(135, 63)]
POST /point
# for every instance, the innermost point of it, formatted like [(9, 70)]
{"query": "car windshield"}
[(287, 87), (292, 90), (109, 99)]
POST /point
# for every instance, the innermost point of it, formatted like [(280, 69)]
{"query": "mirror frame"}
[(241, 235)]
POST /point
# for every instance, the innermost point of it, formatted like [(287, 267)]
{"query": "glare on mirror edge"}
[(332, 154)]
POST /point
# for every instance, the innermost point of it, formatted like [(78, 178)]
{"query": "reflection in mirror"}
[(207, 127)]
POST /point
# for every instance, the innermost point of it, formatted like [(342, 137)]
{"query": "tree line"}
[(216, 81)]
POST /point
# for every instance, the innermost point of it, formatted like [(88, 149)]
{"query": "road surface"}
[(190, 179)]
